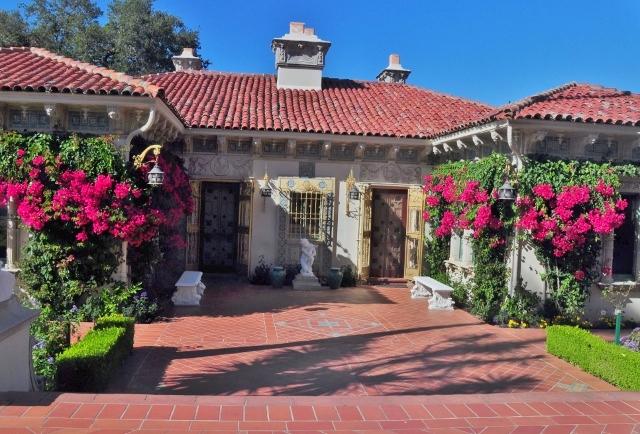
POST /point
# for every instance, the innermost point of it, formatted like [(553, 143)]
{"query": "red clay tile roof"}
[(579, 103), (573, 102), (38, 70), (207, 99)]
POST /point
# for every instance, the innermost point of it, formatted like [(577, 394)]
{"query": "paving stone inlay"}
[(364, 341)]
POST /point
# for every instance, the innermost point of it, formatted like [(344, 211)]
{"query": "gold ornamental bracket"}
[(155, 176), (352, 191), (138, 160)]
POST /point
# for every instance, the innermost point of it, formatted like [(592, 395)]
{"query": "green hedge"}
[(124, 322), (613, 363), (88, 365)]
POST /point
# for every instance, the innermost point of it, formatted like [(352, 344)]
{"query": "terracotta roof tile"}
[(573, 102), (39, 70), (208, 99)]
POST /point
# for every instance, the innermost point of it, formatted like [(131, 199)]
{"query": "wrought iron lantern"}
[(354, 193), (265, 191), (156, 176), (506, 192)]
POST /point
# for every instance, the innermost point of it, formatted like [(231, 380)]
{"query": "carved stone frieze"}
[(203, 166), (390, 173)]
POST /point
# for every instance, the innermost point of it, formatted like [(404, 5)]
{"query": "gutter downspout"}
[(142, 129)]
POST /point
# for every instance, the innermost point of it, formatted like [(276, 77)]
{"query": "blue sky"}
[(491, 51)]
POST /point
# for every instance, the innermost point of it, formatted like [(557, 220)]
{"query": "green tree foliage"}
[(135, 39)]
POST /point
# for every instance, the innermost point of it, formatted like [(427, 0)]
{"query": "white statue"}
[(308, 254)]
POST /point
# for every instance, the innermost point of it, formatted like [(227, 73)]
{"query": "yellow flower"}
[(524, 325)]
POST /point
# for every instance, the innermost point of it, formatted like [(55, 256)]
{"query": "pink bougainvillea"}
[(55, 193), (566, 217)]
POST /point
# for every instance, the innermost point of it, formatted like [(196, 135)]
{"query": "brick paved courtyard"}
[(252, 340), (356, 360)]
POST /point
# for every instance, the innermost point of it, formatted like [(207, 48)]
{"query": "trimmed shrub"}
[(614, 364), (121, 321), (88, 365)]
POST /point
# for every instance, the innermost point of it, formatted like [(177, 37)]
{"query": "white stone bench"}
[(189, 289), (438, 293)]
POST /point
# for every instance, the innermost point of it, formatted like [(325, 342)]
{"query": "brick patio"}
[(365, 341), (367, 359)]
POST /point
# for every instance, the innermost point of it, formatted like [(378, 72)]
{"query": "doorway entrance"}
[(219, 227), (388, 233)]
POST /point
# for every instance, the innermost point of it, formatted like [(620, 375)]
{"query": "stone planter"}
[(335, 278), (277, 277)]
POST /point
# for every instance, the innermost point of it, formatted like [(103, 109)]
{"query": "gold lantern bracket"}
[(138, 160)]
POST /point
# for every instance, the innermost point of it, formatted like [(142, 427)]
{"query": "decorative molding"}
[(590, 139), (602, 148), (343, 152), (308, 150), (88, 121), (374, 153), (467, 132), (391, 173), (460, 144), (49, 109), (477, 140), (273, 148), (20, 120), (241, 146), (201, 166), (495, 136), (204, 144), (407, 155), (306, 169), (113, 112)]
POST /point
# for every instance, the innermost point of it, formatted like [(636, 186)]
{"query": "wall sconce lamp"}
[(265, 191), (155, 176), (506, 192), (352, 191)]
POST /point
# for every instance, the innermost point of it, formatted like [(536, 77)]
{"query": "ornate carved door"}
[(413, 252), (364, 265), (388, 231), (219, 227), (193, 230), (244, 228)]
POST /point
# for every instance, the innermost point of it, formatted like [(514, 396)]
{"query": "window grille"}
[(306, 215)]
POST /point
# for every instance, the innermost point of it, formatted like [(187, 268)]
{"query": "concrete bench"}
[(438, 293), (189, 289)]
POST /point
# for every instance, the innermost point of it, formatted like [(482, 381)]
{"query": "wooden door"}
[(414, 234), (388, 232), (364, 257), (219, 227)]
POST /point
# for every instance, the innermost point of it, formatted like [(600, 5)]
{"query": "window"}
[(306, 215), (624, 244)]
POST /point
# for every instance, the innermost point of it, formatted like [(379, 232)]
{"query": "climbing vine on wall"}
[(463, 196), (80, 200), (563, 209)]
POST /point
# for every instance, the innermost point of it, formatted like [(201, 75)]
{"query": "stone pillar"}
[(13, 236), (16, 372), (607, 257), (467, 251)]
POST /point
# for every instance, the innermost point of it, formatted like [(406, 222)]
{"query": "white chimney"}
[(187, 60), (394, 73), (300, 57)]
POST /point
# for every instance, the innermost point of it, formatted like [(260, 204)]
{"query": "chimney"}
[(300, 57), (187, 60), (394, 73)]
